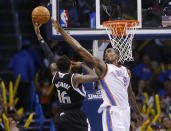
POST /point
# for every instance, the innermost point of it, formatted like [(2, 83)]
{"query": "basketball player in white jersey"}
[(117, 92)]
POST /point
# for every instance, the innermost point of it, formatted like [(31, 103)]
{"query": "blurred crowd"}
[(151, 74), (11, 117)]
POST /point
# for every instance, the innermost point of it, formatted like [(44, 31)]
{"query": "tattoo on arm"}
[(79, 79)]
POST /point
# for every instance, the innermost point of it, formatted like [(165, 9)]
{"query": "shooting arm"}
[(47, 51)]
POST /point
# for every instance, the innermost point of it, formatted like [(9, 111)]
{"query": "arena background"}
[(32, 106)]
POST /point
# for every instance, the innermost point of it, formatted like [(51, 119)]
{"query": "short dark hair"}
[(115, 49), (63, 63)]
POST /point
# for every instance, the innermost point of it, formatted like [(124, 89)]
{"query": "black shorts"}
[(71, 120)]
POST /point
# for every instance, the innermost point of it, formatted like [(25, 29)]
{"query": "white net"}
[(121, 36)]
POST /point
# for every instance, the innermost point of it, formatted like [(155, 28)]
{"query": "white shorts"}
[(116, 119)]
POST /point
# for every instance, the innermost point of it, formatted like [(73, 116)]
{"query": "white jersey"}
[(115, 86)]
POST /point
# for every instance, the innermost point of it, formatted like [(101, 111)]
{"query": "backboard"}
[(83, 18)]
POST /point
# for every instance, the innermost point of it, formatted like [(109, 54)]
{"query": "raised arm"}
[(47, 51), (99, 65), (79, 78)]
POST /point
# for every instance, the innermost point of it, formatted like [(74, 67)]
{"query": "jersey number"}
[(63, 98)]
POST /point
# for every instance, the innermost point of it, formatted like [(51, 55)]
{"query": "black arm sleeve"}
[(47, 51)]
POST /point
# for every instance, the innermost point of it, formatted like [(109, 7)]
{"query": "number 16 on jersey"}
[(63, 98)]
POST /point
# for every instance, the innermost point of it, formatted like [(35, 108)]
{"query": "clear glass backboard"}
[(83, 18)]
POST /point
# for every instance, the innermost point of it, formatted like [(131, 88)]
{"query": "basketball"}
[(40, 15)]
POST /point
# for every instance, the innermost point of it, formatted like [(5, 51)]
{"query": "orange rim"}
[(118, 26)]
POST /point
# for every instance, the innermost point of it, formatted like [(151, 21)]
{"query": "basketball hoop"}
[(121, 34)]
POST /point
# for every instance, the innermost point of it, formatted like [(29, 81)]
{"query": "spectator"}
[(155, 69), (12, 124), (166, 51), (164, 74), (37, 59), (143, 70), (141, 87), (44, 98), (155, 127), (166, 89), (165, 124), (164, 107), (154, 55), (145, 118), (22, 63)]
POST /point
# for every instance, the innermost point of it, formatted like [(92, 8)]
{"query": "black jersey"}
[(67, 95)]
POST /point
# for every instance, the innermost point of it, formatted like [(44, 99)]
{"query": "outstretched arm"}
[(47, 51), (79, 78), (99, 65)]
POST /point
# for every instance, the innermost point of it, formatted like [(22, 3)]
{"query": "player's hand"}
[(76, 65), (37, 27), (37, 30), (55, 24)]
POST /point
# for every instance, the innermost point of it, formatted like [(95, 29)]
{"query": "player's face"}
[(110, 55)]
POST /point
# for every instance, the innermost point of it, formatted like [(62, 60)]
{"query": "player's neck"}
[(115, 63)]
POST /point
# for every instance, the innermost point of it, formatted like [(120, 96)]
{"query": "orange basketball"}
[(40, 15)]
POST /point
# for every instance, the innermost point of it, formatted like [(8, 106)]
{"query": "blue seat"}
[(32, 101), (39, 113), (52, 126)]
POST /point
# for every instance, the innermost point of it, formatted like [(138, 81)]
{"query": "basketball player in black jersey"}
[(69, 90)]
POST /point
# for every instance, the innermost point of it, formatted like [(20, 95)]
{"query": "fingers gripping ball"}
[(40, 15)]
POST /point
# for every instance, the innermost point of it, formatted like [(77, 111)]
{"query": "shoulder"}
[(129, 72)]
